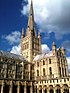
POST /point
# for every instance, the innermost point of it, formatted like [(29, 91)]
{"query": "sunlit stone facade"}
[(32, 71), (51, 72), (16, 74)]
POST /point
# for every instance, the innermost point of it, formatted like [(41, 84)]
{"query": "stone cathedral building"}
[(32, 71)]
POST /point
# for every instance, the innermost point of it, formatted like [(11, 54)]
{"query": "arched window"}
[(65, 72), (60, 71), (50, 70), (37, 64), (58, 91), (51, 91), (43, 62), (37, 72), (66, 89), (43, 71), (49, 61)]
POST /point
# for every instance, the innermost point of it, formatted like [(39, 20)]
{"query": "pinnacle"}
[(31, 17), (53, 43)]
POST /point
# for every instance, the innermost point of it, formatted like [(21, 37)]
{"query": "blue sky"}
[(51, 17)]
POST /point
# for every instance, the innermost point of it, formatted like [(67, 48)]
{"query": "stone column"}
[(29, 71), (31, 89), (47, 90), (37, 90), (54, 90), (34, 88), (42, 90), (25, 89), (18, 87), (69, 89), (23, 71), (61, 90), (2, 87), (11, 87)]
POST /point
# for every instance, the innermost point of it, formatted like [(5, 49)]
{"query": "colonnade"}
[(30, 87), (16, 87), (51, 89)]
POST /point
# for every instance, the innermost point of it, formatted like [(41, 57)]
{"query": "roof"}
[(41, 56), (12, 56)]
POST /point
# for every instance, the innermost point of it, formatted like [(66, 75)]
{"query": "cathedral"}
[(34, 71)]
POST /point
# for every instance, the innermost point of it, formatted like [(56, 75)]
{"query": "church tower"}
[(30, 43)]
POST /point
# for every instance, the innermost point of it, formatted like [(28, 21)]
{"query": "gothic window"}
[(49, 61), (37, 64), (58, 91), (32, 67), (37, 72), (50, 70), (19, 71), (43, 62), (60, 71), (25, 66), (63, 71), (43, 71)]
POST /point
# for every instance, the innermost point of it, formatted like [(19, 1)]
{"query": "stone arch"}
[(65, 88), (45, 89), (6, 88), (58, 89), (36, 89), (28, 88), (51, 90), (40, 89), (21, 88), (14, 87)]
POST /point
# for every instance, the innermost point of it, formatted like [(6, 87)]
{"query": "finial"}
[(62, 48), (38, 32), (31, 8), (39, 35), (53, 44), (22, 32)]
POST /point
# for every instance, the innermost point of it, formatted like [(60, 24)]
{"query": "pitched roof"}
[(12, 56)]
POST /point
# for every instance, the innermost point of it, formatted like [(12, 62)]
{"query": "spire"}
[(53, 44), (31, 18), (53, 48), (22, 32), (31, 8), (39, 35)]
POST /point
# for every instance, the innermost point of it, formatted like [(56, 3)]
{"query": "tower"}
[(53, 48), (30, 43)]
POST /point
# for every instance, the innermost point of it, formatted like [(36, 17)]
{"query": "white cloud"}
[(15, 50), (51, 15), (12, 38), (68, 61), (66, 45), (45, 48)]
